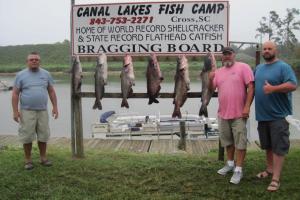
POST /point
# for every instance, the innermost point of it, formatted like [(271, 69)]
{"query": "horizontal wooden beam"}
[(141, 95)]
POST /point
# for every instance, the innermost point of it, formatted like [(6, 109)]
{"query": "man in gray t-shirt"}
[(31, 88)]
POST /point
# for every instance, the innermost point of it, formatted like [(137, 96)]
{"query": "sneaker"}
[(225, 170), (236, 177)]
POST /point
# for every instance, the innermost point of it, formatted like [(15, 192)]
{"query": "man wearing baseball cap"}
[(235, 94), (228, 50)]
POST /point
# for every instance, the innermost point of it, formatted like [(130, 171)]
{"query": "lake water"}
[(62, 126)]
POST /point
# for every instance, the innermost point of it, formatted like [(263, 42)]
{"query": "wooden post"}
[(72, 117), (72, 87), (221, 152), (76, 120), (78, 127), (182, 141), (76, 110)]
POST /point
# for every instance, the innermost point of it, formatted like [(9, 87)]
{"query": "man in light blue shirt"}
[(31, 88), (274, 82)]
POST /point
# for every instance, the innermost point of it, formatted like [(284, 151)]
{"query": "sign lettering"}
[(143, 28)]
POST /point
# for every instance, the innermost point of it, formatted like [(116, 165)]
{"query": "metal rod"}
[(257, 55)]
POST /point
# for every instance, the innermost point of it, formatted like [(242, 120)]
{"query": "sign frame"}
[(177, 48)]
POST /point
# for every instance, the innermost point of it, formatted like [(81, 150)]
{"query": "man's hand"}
[(268, 88), (16, 116), (282, 88), (245, 113), (55, 113)]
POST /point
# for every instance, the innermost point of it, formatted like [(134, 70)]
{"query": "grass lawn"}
[(123, 175)]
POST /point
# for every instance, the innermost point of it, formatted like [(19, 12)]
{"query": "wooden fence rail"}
[(141, 95)]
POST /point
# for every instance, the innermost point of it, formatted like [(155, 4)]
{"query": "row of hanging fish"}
[(154, 79)]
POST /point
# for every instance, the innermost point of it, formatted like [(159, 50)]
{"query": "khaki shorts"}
[(233, 131), (34, 123)]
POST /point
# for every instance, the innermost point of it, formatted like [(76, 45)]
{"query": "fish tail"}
[(152, 100), (124, 103), (203, 111), (176, 113), (98, 105), (155, 100)]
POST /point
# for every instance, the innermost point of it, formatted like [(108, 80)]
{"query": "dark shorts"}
[(274, 135)]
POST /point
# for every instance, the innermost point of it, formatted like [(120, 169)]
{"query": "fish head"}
[(154, 66), (76, 60), (128, 71), (151, 62), (76, 68), (127, 63), (98, 61), (102, 64), (182, 63), (183, 68), (102, 58), (127, 59)]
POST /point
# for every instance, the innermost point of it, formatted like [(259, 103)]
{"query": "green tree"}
[(280, 30), (269, 25), (288, 25)]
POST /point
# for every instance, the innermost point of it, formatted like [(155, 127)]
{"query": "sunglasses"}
[(34, 59)]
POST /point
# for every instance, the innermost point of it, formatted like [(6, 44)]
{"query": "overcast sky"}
[(48, 21)]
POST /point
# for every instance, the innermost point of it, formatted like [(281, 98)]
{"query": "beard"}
[(269, 57), (227, 63), (34, 69)]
